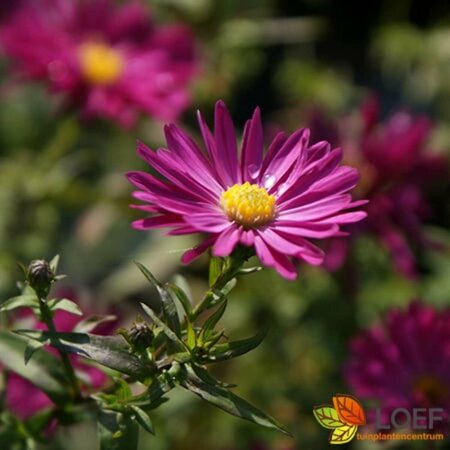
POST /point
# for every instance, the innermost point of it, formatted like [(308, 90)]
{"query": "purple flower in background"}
[(111, 60), (395, 167), (23, 398), (273, 203), (404, 362)]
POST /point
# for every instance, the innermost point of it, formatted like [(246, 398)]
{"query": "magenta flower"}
[(404, 362), (273, 203), (112, 61), (24, 399), (396, 167)]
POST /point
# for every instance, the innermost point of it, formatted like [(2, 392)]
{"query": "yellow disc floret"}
[(100, 64), (248, 205)]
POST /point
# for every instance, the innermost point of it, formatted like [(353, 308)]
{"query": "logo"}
[(346, 414), (343, 417)]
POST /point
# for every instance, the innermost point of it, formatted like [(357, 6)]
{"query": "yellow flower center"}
[(99, 63), (248, 204), (432, 388)]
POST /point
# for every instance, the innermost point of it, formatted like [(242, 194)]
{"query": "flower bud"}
[(40, 276), (140, 335)]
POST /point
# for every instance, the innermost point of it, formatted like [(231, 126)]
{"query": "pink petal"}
[(208, 220), (190, 157), (195, 252), (226, 241), (272, 258), (318, 209), (226, 148), (166, 220), (252, 147), (175, 173), (288, 154), (306, 229), (349, 217)]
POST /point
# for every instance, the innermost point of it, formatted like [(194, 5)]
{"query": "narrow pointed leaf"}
[(191, 337), (212, 320), (31, 347), (215, 269), (110, 351), (165, 329), (21, 301), (64, 304), (229, 402), (143, 419), (54, 263), (222, 352), (168, 305), (92, 322), (155, 393), (182, 297)]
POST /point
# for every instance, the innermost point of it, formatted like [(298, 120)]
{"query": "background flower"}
[(397, 168), (113, 61), (404, 362)]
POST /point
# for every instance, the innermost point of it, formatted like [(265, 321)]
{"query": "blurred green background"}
[(62, 190)]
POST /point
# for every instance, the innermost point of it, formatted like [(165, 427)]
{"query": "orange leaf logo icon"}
[(343, 418), (349, 410)]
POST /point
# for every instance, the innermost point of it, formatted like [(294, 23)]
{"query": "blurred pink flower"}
[(111, 60), (395, 167), (404, 362), (24, 399), (273, 203)]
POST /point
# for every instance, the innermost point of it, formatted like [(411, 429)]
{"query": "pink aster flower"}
[(404, 362), (396, 168), (23, 398), (111, 60), (273, 203)]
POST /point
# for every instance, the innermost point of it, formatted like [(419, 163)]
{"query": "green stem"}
[(47, 317), (232, 266)]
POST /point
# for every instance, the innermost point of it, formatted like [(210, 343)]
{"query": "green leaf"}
[(54, 263), (215, 269), (168, 305), (212, 320), (21, 301), (165, 329), (178, 293), (327, 416), (143, 419), (226, 400), (123, 391), (191, 336), (110, 351), (44, 370), (117, 431), (249, 270), (222, 352), (91, 323), (154, 395), (183, 284), (222, 294), (31, 347), (64, 304)]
